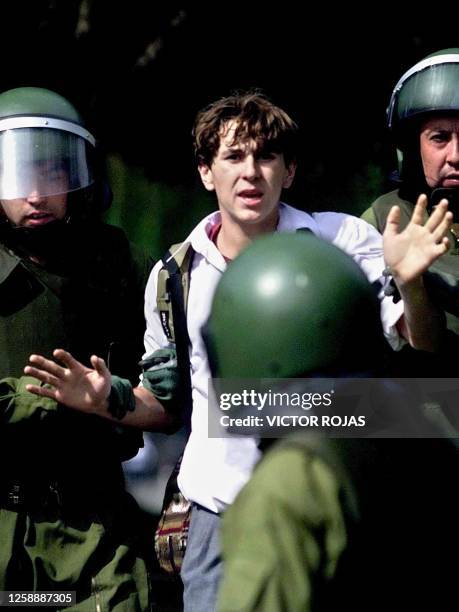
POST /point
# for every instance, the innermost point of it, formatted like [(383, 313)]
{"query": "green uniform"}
[(66, 522), (344, 525)]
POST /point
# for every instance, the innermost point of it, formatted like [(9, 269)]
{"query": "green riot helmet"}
[(44, 148), (292, 305), (430, 86)]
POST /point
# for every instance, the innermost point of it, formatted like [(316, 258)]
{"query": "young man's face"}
[(35, 210), (247, 181), (439, 142)]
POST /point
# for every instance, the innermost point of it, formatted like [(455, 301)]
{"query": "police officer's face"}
[(46, 186), (439, 142), (35, 210)]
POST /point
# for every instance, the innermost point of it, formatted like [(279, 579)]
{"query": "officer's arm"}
[(150, 414), (95, 391), (422, 324), (409, 254)]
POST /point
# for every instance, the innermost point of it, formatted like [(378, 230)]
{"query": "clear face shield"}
[(43, 157)]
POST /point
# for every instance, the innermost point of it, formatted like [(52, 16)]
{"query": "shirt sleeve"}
[(363, 243)]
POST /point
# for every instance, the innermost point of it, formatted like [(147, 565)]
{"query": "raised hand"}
[(72, 383), (410, 253)]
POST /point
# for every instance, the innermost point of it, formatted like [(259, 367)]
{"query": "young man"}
[(423, 118), (66, 521), (246, 151)]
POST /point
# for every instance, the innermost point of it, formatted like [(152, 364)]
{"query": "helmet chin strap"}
[(49, 242)]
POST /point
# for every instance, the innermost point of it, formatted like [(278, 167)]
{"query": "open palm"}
[(410, 253), (71, 383)]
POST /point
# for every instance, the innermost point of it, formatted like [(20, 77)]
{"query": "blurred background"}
[(138, 71)]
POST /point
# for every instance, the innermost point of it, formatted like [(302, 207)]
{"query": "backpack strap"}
[(177, 261), (172, 298)]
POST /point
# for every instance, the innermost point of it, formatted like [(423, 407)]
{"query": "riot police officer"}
[(66, 279)]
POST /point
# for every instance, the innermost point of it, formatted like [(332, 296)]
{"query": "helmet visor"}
[(42, 162)]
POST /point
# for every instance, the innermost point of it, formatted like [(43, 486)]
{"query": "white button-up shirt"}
[(213, 470)]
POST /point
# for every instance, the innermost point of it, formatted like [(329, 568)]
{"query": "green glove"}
[(161, 377)]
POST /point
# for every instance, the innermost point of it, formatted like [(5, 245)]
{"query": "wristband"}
[(121, 399)]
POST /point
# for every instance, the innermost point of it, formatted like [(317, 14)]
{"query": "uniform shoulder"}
[(377, 213)]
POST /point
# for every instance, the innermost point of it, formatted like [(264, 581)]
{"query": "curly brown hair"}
[(256, 118)]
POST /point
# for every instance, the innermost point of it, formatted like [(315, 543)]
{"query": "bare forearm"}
[(422, 323), (149, 414)]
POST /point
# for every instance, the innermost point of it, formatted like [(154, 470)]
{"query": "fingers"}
[(66, 358), (442, 228), (42, 391), (439, 213), (50, 372), (47, 370), (99, 365), (444, 245), (46, 365), (419, 212), (45, 377), (440, 249), (393, 221)]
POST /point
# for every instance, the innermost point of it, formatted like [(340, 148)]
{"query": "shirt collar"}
[(290, 220)]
